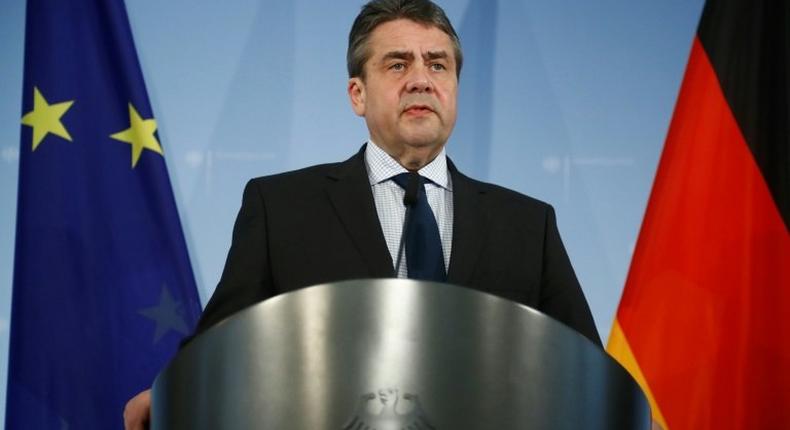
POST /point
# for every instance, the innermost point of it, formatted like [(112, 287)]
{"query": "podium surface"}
[(394, 354)]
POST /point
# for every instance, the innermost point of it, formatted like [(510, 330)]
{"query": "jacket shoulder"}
[(314, 176), (506, 197), (319, 171)]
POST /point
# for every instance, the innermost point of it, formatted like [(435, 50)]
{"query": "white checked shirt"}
[(389, 199)]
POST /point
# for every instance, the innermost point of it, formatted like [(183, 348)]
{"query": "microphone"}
[(409, 200)]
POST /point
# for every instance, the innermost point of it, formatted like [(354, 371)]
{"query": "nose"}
[(419, 81)]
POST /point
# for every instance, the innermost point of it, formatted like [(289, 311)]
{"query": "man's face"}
[(408, 95)]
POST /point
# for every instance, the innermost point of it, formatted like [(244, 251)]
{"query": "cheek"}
[(383, 103), (448, 100), (447, 92)]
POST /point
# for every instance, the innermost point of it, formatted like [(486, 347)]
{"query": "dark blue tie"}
[(424, 257)]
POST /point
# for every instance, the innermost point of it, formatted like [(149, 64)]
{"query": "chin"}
[(423, 141)]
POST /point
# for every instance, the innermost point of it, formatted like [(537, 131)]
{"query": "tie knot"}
[(412, 184), (402, 179)]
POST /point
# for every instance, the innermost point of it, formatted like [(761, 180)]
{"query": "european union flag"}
[(103, 289)]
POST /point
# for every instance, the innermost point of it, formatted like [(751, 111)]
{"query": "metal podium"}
[(394, 354)]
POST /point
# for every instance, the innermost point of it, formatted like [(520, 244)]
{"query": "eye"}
[(438, 67), (398, 67)]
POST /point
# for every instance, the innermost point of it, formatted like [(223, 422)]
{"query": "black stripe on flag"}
[(748, 43)]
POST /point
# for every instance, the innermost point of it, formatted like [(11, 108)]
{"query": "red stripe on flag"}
[(706, 307)]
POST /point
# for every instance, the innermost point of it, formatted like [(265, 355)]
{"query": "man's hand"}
[(137, 412)]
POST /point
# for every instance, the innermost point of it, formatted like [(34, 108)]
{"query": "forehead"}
[(407, 35)]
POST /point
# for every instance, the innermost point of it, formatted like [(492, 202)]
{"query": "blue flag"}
[(103, 289)]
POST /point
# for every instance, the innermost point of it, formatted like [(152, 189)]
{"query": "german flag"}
[(704, 321)]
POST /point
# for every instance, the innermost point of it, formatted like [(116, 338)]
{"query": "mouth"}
[(418, 110)]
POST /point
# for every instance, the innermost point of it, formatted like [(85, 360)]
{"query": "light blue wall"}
[(566, 100)]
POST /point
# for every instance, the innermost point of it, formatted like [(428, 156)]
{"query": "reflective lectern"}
[(394, 354)]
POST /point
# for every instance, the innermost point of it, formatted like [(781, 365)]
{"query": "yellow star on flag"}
[(45, 118), (140, 135)]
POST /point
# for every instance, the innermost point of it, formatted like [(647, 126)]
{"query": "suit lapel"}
[(469, 226), (351, 196)]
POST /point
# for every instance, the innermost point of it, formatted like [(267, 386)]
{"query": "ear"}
[(356, 93)]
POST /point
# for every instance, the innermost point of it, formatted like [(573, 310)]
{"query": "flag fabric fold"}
[(103, 289), (702, 323)]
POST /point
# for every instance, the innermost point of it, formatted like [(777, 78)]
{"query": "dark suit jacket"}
[(319, 225)]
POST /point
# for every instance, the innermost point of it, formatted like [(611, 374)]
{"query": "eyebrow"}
[(398, 55), (409, 56), (435, 55)]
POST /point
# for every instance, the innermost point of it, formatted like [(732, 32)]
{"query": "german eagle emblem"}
[(389, 413)]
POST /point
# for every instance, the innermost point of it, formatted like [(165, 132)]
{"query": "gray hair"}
[(377, 12)]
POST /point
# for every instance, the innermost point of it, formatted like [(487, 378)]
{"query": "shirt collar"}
[(381, 167)]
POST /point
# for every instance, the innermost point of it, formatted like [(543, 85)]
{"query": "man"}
[(344, 220)]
